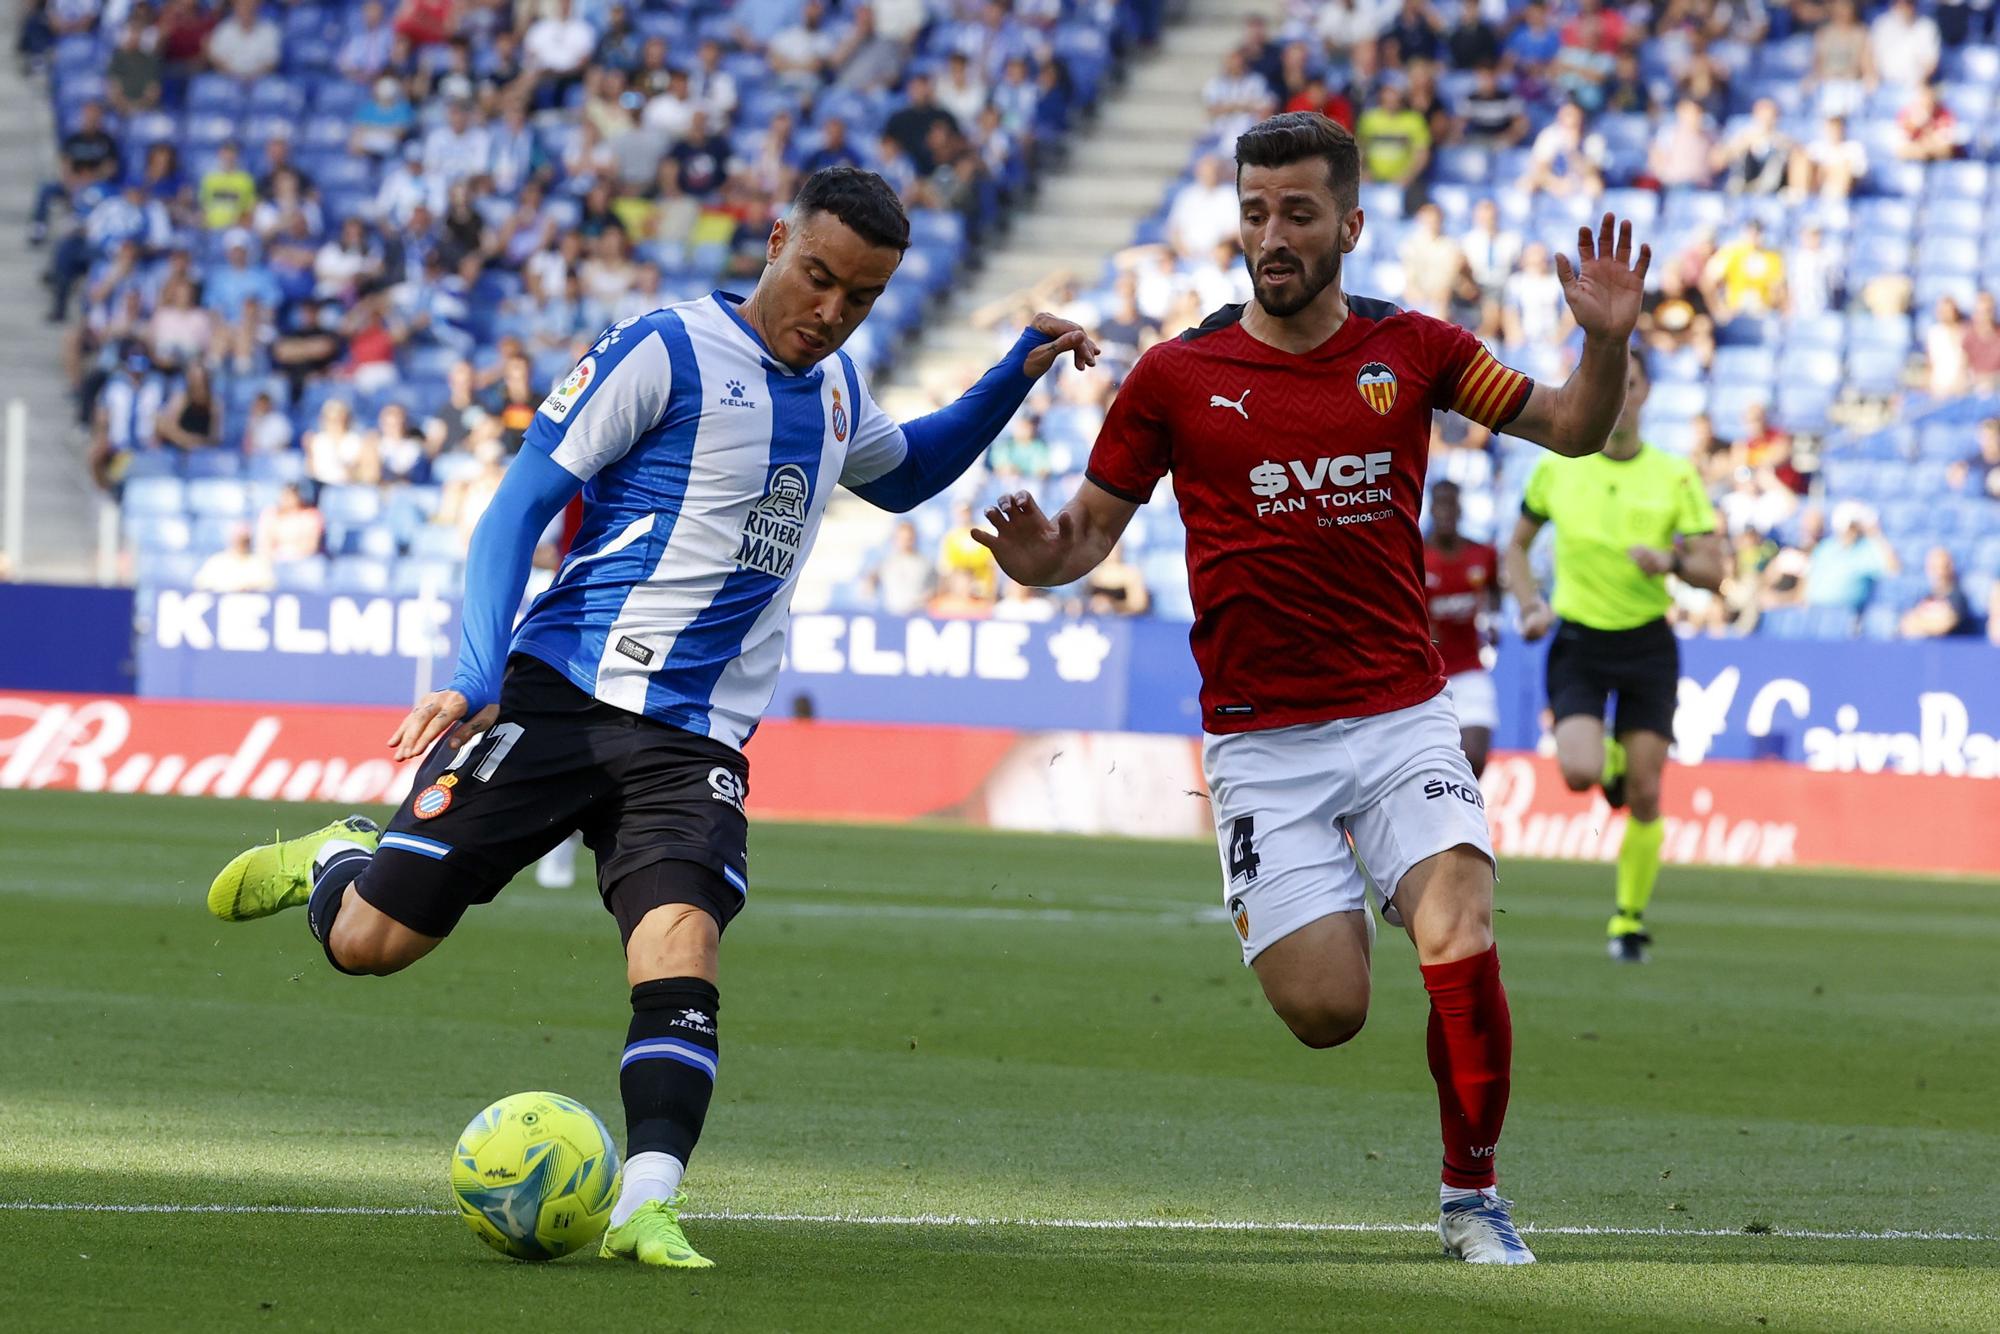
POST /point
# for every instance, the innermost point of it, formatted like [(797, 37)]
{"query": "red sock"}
[(1472, 1054)]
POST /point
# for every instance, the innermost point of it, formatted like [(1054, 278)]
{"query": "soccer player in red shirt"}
[(1462, 580), (1296, 428)]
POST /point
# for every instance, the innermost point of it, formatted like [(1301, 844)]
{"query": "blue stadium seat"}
[(1749, 364), (288, 466), (1783, 623), (1826, 332), (412, 577), (211, 533), (1954, 220), (168, 569), (359, 574), (1957, 180), (1973, 64), (350, 505), (158, 532), (218, 497), (301, 576), (151, 496), (1961, 287), (216, 462), (214, 94), (433, 543)]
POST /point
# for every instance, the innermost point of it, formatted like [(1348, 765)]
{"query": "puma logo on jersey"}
[(1218, 401)]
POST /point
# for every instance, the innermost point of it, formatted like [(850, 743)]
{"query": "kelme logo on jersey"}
[(839, 419), (1377, 384), (733, 395), (776, 527), (565, 395)]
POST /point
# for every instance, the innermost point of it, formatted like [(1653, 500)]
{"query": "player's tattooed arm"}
[(1604, 288), (1041, 552)]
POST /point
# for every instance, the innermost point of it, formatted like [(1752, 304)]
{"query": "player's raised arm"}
[(1041, 552), (898, 467), (616, 394), (1603, 288)]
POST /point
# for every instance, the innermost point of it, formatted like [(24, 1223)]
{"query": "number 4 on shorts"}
[(1242, 851)]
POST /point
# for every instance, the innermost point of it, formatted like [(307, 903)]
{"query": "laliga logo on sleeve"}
[(565, 395)]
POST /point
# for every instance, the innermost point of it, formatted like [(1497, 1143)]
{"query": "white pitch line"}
[(1054, 1224)]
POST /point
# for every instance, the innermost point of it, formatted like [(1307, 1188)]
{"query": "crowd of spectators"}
[(1776, 317), (354, 239)]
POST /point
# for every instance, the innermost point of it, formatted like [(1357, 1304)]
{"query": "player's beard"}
[(1310, 281)]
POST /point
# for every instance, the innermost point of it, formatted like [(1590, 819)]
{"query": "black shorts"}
[(1642, 666), (661, 808)]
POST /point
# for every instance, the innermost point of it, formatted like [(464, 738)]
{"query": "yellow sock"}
[(1638, 872)]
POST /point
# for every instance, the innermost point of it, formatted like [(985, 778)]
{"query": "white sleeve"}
[(878, 440), (617, 393)]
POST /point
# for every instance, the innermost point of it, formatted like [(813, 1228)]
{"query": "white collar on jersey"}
[(729, 301)]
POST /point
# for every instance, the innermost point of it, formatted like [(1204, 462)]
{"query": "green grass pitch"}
[(924, 1022)]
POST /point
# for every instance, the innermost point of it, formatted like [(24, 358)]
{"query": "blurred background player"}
[(1462, 585), (1322, 695), (710, 435), (1625, 519)]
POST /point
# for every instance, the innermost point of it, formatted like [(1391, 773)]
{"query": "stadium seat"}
[(301, 576), (153, 496), (358, 574), (412, 578), (350, 505), (217, 497), (433, 543)]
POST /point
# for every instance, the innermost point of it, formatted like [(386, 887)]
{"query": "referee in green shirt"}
[(1625, 519)]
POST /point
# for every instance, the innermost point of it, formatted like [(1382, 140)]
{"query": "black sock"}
[(330, 882), (668, 1070)]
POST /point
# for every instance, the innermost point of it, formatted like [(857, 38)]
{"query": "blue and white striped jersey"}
[(708, 467)]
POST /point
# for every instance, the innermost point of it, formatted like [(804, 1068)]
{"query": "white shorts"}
[(1473, 695), (1285, 801)]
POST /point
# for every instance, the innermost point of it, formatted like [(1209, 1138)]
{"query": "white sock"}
[(648, 1177), (1453, 1194), (334, 848)]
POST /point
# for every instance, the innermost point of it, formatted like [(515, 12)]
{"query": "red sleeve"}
[(1468, 379), (1134, 449)]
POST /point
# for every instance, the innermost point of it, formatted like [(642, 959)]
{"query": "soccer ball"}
[(535, 1175)]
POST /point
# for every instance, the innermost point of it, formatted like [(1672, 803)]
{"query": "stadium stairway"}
[(1118, 165), (61, 510), (1086, 210)]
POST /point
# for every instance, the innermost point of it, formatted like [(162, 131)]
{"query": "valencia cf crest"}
[(839, 419), (1240, 915), (1377, 384)]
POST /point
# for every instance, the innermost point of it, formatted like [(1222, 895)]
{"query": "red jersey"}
[(1299, 478), (1458, 587)]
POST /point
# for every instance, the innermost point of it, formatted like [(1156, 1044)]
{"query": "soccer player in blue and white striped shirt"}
[(706, 439)]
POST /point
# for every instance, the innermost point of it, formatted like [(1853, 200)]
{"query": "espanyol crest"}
[(839, 418)]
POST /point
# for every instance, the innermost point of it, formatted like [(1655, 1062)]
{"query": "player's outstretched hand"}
[(1029, 545), (1066, 337), (1605, 285), (439, 712)]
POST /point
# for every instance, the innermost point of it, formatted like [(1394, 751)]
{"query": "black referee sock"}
[(330, 883), (668, 1071)]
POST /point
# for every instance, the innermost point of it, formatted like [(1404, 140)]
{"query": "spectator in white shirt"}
[(456, 149), (1236, 98), (1832, 166), (237, 568), (404, 190), (1204, 211), (1532, 306), (1340, 24), (1905, 45), (961, 91), (670, 113), (265, 429), (247, 46), (365, 53), (558, 47), (800, 54), (1490, 249), (712, 85), (1812, 273)]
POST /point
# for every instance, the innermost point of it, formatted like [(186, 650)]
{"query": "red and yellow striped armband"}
[(1490, 393)]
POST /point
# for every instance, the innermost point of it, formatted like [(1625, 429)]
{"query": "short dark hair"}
[(860, 199), (1295, 136)]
